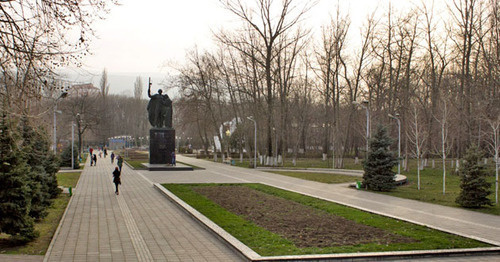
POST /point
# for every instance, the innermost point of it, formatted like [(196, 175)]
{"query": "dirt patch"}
[(303, 225)]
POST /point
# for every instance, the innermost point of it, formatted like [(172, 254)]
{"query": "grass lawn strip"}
[(267, 243), (431, 190), (137, 163), (68, 179), (319, 177)]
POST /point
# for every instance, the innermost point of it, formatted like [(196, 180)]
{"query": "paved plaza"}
[(140, 224)]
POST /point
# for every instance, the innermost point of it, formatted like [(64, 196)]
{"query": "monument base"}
[(161, 145), (164, 167)]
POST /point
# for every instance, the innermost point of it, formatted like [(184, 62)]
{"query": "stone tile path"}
[(136, 225)]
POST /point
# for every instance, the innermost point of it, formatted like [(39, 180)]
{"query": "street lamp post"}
[(399, 139), (255, 142), (63, 94), (275, 161), (72, 145), (80, 142), (365, 105), (228, 135)]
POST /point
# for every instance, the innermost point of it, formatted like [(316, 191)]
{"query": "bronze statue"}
[(159, 109)]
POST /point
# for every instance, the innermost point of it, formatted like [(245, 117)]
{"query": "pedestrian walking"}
[(112, 157), (100, 154), (91, 159), (119, 161), (95, 160), (173, 158), (116, 179), (105, 152)]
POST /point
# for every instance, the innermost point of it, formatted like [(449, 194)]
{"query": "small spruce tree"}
[(15, 194), (378, 166), (474, 187)]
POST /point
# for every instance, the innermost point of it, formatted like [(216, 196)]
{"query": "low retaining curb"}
[(248, 254)]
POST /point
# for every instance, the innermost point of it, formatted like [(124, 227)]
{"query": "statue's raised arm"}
[(149, 88)]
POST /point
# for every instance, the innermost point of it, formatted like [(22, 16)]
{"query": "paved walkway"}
[(141, 225), (137, 225)]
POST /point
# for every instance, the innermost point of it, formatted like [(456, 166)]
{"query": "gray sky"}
[(140, 37)]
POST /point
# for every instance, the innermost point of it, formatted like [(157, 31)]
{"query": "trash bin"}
[(233, 163), (358, 185)]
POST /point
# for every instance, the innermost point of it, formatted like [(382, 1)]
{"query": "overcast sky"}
[(140, 37)]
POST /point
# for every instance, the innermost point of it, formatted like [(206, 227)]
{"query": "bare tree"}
[(353, 76), (200, 79), (329, 55), (286, 72), (103, 108), (417, 137), (465, 15), (104, 83), (269, 20), (443, 121), (436, 49), (80, 109), (39, 36)]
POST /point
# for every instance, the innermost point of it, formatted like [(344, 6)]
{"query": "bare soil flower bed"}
[(301, 224)]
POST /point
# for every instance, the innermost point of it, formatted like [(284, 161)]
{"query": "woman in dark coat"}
[(116, 179)]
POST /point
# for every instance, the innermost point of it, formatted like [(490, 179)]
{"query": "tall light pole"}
[(63, 94), (228, 137), (399, 139), (255, 142), (275, 162), (72, 145), (365, 105), (80, 142)]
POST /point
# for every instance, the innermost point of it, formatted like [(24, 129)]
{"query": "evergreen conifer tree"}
[(378, 166), (15, 195), (474, 188), (40, 182)]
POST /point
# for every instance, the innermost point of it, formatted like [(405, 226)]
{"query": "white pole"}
[(255, 142), (399, 139), (72, 145), (367, 128), (255, 145), (55, 128), (495, 143), (276, 140), (496, 166), (399, 146)]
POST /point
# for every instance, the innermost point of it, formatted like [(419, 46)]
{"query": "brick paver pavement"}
[(137, 225)]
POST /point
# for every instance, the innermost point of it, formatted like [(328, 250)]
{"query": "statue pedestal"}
[(161, 145)]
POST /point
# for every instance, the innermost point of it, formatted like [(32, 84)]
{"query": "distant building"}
[(83, 90)]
